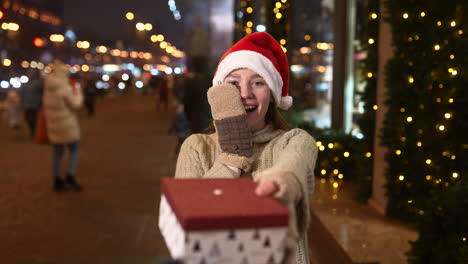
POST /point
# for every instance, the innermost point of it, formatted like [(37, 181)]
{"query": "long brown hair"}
[(272, 116)]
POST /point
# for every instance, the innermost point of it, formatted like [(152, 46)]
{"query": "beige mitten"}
[(230, 120)]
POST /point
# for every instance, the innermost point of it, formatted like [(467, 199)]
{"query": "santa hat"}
[(261, 53)]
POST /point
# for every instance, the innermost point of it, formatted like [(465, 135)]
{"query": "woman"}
[(249, 138), (60, 105)]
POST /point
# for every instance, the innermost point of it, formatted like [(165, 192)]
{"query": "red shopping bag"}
[(41, 129)]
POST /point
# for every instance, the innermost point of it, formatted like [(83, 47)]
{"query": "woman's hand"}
[(230, 120), (268, 188)]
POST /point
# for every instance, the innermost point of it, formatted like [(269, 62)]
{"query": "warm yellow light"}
[(441, 127), (403, 139), (307, 37), (421, 212), (451, 100), (243, 3), (330, 145), (460, 32), (405, 15), (439, 23), (455, 175), (428, 177), (278, 5), (323, 172), (319, 143), (163, 44), (56, 38), (453, 23), (154, 38), (335, 171), (375, 107), (275, 10), (284, 1), (169, 49), (410, 79), (369, 75), (160, 37), (368, 154), (423, 14), (453, 157), (371, 41), (25, 64), (85, 68), (248, 30), (249, 10), (11, 26), (409, 119), (334, 196), (419, 143), (249, 24), (410, 201), (335, 185), (346, 154), (140, 26), (437, 47), (279, 15), (340, 176), (454, 72), (373, 16), (398, 152), (402, 109), (448, 115), (129, 16), (322, 148), (148, 27), (401, 177), (416, 37), (7, 62), (464, 238), (428, 161), (452, 56), (282, 41)]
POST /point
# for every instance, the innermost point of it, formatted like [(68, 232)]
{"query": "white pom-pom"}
[(285, 102)]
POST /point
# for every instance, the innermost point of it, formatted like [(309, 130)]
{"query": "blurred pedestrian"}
[(196, 85), (13, 110), (61, 104), (31, 99), (163, 93), (180, 126), (90, 93)]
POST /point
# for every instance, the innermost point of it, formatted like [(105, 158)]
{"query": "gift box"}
[(221, 221)]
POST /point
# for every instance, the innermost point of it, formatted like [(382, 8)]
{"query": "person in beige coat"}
[(249, 137), (61, 104)]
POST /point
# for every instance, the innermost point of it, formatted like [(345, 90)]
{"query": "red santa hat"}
[(261, 53)]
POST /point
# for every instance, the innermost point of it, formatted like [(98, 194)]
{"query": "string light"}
[(419, 144), (375, 107), (428, 177), (319, 143), (330, 145), (410, 201), (439, 23), (452, 56), (402, 109), (451, 100), (371, 41), (453, 23), (374, 16), (453, 157), (441, 127), (322, 148), (335, 185), (369, 75), (437, 47), (423, 14), (398, 152), (323, 172), (460, 32), (401, 177), (447, 115), (428, 161), (455, 175), (346, 154), (340, 176), (410, 79), (405, 15), (335, 171), (409, 119), (368, 154)]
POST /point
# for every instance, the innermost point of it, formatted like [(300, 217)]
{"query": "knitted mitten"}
[(230, 120)]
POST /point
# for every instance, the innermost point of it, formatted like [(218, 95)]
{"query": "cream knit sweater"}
[(288, 157)]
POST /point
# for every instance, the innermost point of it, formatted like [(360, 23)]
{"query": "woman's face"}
[(255, 95)]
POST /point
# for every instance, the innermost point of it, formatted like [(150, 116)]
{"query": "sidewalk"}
[(125, 150)]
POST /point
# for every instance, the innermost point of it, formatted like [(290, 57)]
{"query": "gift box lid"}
[(213, 204)]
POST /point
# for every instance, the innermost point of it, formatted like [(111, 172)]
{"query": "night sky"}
[(106, 18)]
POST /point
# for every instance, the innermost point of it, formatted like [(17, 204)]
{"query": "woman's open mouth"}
[(250, 108)]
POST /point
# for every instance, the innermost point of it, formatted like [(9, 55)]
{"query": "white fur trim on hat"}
[(257, 63)]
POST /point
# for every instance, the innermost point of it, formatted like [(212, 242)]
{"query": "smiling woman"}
[(249, 139)]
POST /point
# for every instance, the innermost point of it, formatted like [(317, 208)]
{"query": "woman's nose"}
[(245, 91)]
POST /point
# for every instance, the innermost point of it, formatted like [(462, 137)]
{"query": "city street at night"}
[(125, 150)]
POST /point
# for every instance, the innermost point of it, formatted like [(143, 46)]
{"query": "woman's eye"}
[(258, 83), (233, 82)]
